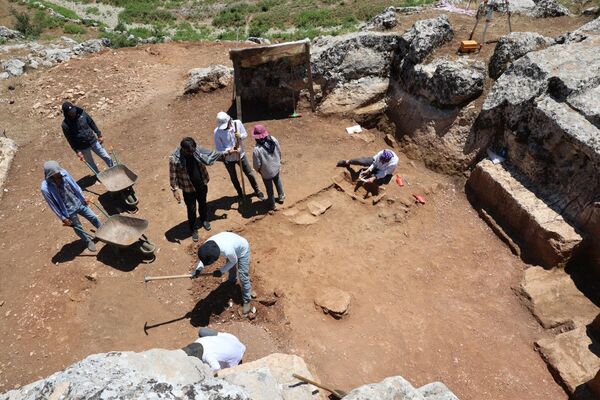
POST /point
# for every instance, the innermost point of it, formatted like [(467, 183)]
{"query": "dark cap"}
[(209, 252), (194, 350)]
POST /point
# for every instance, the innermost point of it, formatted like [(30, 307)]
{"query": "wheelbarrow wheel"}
[(131, 199), (147, 248)]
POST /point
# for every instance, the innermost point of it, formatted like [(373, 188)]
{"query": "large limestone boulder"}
[(91, 46), (208, 79), (514, 46), (423, 37), (437, 391), (447, 83), (549, 8), (272, 375), (538, 110), (157, 373), (8, 149), (398, 388)]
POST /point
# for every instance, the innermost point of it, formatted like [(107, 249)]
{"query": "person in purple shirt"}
[(65, 199)]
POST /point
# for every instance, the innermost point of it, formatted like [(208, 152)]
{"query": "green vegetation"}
[(65, 12), (74, 29), (3, 40), (93, 10), (33, 27)]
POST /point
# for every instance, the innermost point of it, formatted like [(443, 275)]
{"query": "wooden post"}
[(311, 90), (237, 76)]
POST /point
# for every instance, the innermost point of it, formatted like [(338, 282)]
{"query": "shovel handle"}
[(319, 385)]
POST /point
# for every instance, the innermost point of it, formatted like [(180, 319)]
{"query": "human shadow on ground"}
[(87, 181), (124, 259), (178, 233), (215, 303), (71, 250)]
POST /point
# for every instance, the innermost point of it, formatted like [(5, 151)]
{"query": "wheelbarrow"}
[(119, 180), (122, 231)]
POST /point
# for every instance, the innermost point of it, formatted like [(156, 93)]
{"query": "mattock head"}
[(146, 328)]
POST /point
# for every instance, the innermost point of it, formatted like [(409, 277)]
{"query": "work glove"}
[(198, 270), (217, 273)]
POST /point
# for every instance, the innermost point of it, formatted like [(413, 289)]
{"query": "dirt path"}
[(431, 297)]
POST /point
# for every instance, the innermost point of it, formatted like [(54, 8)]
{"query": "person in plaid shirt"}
[(187, 171)]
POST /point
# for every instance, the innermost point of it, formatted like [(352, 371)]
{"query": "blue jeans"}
[(269, 186), (242, 268), (88, 214), (100, 151)]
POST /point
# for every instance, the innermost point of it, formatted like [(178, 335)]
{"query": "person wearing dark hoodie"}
[(266, 159), (65, 199), (83, 135), (187, 171)]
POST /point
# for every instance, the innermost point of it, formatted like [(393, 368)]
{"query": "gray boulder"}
[(446, 83), (514, 46), (208, 79), (384, 21), (394, 388), (591, 27), (436, 391), (157, 373), (423, 37), (14, 67), (259, 40), (56, 55), (4, 75), (6, 33), (544, 111), (90, 46), (549, 8)]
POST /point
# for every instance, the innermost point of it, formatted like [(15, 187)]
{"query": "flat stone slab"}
[(544, 236), (317, 208), (555, 300), (333, 301), (570, 356), (304, 218)]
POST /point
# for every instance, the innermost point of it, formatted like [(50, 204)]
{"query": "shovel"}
[(165, 277), (338, 394)]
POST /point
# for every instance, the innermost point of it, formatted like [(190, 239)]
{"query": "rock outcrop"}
[(549, 8), (8, 149), (538, 111), (514, 46), (381, 22), (208, 79), (6, 33), (172, 374), (13, 67)]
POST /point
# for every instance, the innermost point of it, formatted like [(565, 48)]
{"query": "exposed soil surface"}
[(430, 284)]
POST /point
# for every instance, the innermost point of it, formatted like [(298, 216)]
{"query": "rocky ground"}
[(360, 288)]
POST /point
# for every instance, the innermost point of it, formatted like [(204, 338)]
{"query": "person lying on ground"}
[(266, 159), (229, 135), (83, 135), (217, 349), (187, 171), (380, 168), (65, 199), (237, 252)]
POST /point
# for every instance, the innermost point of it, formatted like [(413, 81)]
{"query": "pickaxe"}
[(146, 326)]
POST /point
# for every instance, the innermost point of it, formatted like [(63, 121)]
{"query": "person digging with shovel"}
[(237, 252), (83, 135), (65, 199), (228, 136), (217, 349), (380, 168)]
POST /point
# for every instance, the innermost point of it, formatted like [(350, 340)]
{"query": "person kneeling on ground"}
[(237, 251), (187, 171), (380, 169), (65, 199), (217, 349), (266, 159)]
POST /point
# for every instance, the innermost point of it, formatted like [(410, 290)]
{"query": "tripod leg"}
[(475, 27)]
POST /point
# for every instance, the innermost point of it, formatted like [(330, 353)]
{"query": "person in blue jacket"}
[(65, 199)]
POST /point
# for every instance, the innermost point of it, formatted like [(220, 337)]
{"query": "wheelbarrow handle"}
[(90, 167), (336, 393), (165, 277), (102, 210), (80, 229), (113, 154)]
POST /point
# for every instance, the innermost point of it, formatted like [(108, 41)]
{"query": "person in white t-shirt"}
[(217, 349), (380, 168), (237, 252)]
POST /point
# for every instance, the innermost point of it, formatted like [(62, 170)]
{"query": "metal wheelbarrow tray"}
[(121, 230), (117, 178)]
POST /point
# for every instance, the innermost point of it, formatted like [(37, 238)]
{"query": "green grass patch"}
[(234, 15), (141, 12), (74, 29), (3, 40), (92, 10), (65, 12), (143, 33), (32, 27), (186, 33)]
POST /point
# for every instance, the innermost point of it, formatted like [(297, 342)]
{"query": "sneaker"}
[(260, 195), (206, 225), (273, 207), (342, 163), (91, 246), (195, 237), (246, 308), (281, 199)]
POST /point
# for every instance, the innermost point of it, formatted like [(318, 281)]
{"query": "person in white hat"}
[(229, 134)]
